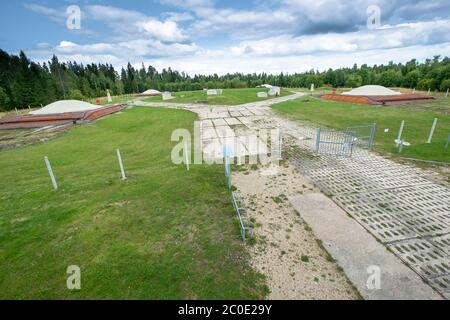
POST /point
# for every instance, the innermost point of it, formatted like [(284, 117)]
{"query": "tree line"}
[(26, 83)]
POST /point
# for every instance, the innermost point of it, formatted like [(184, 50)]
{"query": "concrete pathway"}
[(360, 255), (398, 205)]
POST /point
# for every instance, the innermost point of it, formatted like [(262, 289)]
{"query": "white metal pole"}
[(400, 132), (400, 149), (433, 128), (186, 155), (122, 170), (50, 171), (17, 112), (429, 91), (446, 95), (280, 146)]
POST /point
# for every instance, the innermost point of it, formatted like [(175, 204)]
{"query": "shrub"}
[(445, 84), (4, 100), (426, 84)]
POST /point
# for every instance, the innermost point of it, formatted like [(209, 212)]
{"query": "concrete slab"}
[(207, 123), (212, 116), (209, 133), (246, 113), (219, 122), (236, 148), (232, 121), (212, 149), (224, 132), (356, 251), (245, 120), (224, 114)]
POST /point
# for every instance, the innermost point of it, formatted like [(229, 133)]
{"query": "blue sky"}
[(212, 36)]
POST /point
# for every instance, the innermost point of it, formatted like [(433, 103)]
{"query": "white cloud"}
[(210, 64), (166, 31), (402, 35), (274, 36), (188, 4), (56, 15), (117, 53), (130, 24)]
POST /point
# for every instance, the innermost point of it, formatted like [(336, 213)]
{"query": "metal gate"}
[(334, 143), (363, 135)]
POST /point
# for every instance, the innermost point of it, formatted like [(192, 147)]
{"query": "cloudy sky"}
[(212, 36)]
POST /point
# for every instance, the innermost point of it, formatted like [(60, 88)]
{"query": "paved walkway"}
[(374, 271), (397, 204)]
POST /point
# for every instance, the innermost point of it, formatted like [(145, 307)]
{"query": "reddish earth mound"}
[(40, 121), (377, 100)]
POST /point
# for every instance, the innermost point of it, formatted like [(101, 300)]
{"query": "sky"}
[(212, 36)]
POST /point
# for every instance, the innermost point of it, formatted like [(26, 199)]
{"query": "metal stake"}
[(317, 140), (186, 155), (122, 170), (433, 128), (50, 171), (400, 149), (372, 135), (402, 126)]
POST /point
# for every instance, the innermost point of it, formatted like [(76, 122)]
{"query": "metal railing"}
[(247, 231)]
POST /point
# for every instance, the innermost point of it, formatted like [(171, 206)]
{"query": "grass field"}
[(165, 233), (229, 97), (418, 118), (115, 100)]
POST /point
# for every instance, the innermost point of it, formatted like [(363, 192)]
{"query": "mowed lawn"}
[(115, 100), (165, 233), (229, 96), (418, 122)]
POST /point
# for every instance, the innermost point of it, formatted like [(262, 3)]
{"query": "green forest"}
[(26, 83)]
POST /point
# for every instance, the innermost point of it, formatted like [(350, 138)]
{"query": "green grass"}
[(419, 119), (115, 100), (229, 97), (165, 233)]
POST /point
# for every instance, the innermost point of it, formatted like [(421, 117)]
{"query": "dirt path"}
[(285, 249)]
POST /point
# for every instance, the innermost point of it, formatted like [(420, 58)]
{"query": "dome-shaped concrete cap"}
[(64, 106), (371, 90)]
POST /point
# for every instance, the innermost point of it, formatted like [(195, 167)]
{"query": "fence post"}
[(400, 132), (280, 147), (433, 128), (50, 171), (446, 95), (448, 141), (400, 149), (122, 170), (227, 165), (317, 140), (372, 135), (186, 156)]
